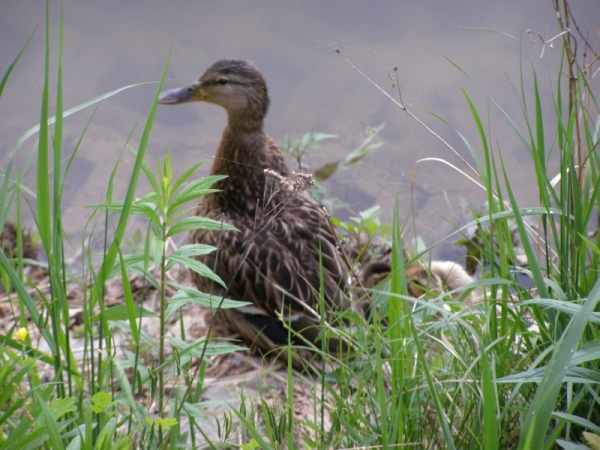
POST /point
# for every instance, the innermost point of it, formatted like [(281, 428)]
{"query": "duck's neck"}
[(244, 153), (244, 122)]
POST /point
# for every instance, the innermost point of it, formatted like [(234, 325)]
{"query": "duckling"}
[(422, 278), (285, 249)]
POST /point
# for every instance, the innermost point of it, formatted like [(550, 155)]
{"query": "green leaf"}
[(138, 207), (188, 173), (188, 294), (168, 169), (360, 153), (194, 223), (194, 250), (317, 136), (58, 408), (101, 400), (119, 312), (49, 420), (196, 189), (166, 423), (148, 172), (327, 170), (158, 247), (198, 267), (105, 438), (366, 147), (250, 445), (195, 349)]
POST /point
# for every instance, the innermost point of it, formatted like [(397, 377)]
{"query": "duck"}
[(425, 278), (285, 255)]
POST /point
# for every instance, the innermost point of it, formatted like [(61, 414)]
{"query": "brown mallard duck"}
[(285, 248)]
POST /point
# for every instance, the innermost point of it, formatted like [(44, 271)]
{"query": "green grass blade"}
[(252, 430), (7, 195), (490, 404), (399, 314), (537, 420), (129, 302), (78, 108), (120, 231), (50, 422), (484, 145), (536, 271), (43, 186), (16, 60)]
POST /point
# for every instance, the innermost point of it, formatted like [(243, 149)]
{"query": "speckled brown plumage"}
[(284, 234)]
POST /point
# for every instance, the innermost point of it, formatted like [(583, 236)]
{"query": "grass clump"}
[(97, 396)]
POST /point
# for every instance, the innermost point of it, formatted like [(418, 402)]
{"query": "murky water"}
[(111, 44)]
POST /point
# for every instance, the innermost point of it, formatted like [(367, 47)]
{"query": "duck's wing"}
[(278, 264), (293, 251), (288, 259)]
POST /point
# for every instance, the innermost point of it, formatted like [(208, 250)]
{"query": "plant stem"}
[(161, 356)]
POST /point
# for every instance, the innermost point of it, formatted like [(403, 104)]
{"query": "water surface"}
[(111, 44)]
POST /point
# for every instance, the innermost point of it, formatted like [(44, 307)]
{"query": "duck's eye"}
[(222, 81)]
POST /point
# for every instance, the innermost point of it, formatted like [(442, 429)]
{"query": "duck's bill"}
[(179, 95)]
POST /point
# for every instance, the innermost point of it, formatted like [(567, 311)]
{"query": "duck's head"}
[(235, 84)]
